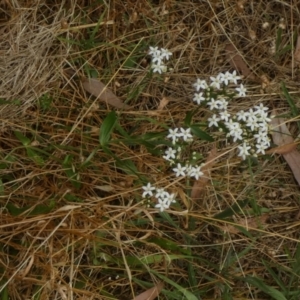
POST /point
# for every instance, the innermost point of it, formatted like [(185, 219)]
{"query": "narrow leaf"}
[(275, 294), (200, 133), (22, 138), (107, 127)]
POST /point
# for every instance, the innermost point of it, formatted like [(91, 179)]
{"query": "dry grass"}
[(85, 232)]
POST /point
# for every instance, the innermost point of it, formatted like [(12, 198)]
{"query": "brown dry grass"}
[(99, 230)]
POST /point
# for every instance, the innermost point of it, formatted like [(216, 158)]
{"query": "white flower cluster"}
[(158, 57), (164, 198), (172, 154), (241, 127)]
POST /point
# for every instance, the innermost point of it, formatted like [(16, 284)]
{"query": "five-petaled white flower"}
[(215, 82), (148, 190), (162, 204), (200, 84), (213, 120), (242, 90), (180, 170), (196, 172), (234, 78), (165, 53), (159, 68), (173, 135), (186, 134), (244, 150), (198, 98), (170, 153)]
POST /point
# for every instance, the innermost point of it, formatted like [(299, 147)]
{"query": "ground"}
[(74, 224)]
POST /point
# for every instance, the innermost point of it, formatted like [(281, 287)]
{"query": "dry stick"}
[(79, 119)]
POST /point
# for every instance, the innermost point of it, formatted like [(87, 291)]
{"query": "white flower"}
[(234, 77), (188, 170), (224, 115), (215, 82), (251, 114), (236, 133), (261, 136), (165, 53), (242, 90), (180, 170), (186, 134), (174, 135), (213, 104), (241, 116), (225, 78), (162, 204), (160, 193), (200, 84), (213, 121), (154, 51), (261, 108), (196, 172), (252, 123), (261, 148), (198, 98), (222, 103), (157, 60), (148, 190), (263, 117), (244, 150), (170, 198), (170, 153), (158, 68)]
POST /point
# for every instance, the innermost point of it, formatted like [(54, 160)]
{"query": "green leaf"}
[(34, 156), (168, 245), (1, 187), (10, 102), (230, 211), (195, 128), (127, 166), (70, 172), (37, 210), (258, 283), (107, 127), (291, 102), (22, 138), (187, 294)]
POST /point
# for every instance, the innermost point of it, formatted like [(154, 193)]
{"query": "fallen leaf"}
[(280, 133), (237, 62), (200, 184), (251, 223), (163, 102), (297, 51), (99, 90), (151, 293), (283, 138)]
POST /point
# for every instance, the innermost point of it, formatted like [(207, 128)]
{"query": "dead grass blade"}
[(151, 293), (99, 90), (297, 51), (237, 61), (251, 223), (200, 184), (282, 137)]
